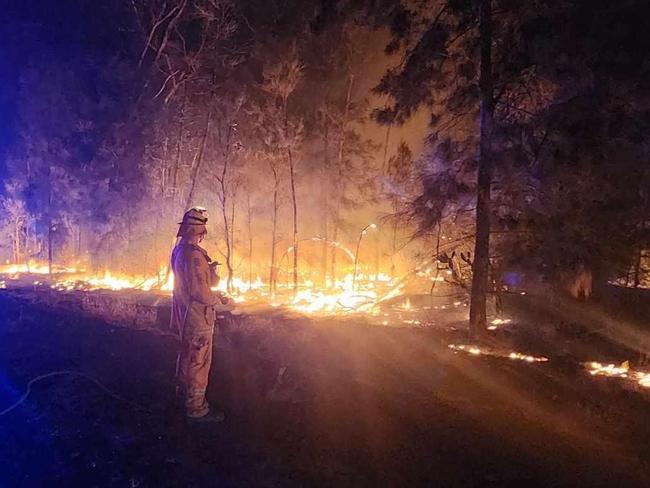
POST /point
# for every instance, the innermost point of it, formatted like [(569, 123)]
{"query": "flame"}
[(477, 351), (340, 298), (32, 267), (494, 324), (623, 371), (344, 296), (406, 306), (412, 322), (609, 369)]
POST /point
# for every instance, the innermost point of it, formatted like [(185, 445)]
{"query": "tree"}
[(18, 220), (488, 92), (227, 176), (441, 47), (582, 201), (481, 263), (347, 157), (191, 55), (280, 82), (400, 189), (55, 141), (267, 150)]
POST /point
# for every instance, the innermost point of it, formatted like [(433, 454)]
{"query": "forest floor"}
[(365, 406)]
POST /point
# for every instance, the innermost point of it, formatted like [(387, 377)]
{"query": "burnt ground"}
[(351, 405)]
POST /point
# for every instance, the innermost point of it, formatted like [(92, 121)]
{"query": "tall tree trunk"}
[(175, 198), (250, 242), (295, 223), (335, 236), (637, 268), (384, 168), (324, 251), (639, 256), (49, 220), (292, 180), (233, 207), (179, 152), (49, 247), (232, 223), (394, 246), (377, 256), (224, 208), (276, 187), (16, 246), (78, 251), (159, 240), (323, 201), (228, 253), (199, 158), (28, 238), (480, 265), (340, 172)]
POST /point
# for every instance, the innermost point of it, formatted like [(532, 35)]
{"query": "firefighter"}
[(194, 307)]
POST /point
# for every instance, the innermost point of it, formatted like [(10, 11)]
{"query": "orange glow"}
[(623, 371), (32, 267), (339, 298), (484, 351)]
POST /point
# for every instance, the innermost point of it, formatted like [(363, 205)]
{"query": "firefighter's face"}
[(203, 234)]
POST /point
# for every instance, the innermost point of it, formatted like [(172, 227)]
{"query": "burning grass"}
[(345, 296), (623, 371), (498, 323), (475, 350), (32, 267)]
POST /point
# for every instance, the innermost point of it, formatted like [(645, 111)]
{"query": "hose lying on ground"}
[(78, 374)]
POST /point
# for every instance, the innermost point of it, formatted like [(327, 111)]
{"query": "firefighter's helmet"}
[(194, 222)]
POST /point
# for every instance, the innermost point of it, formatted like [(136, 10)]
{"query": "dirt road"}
[(359, 407)]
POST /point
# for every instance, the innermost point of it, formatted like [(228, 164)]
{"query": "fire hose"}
[(90, 378), (77, 374)]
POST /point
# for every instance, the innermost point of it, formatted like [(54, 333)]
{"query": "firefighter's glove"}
[(223, 304)]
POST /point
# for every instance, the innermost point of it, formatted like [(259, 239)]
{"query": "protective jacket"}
[(193, 298), (193, 317)]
